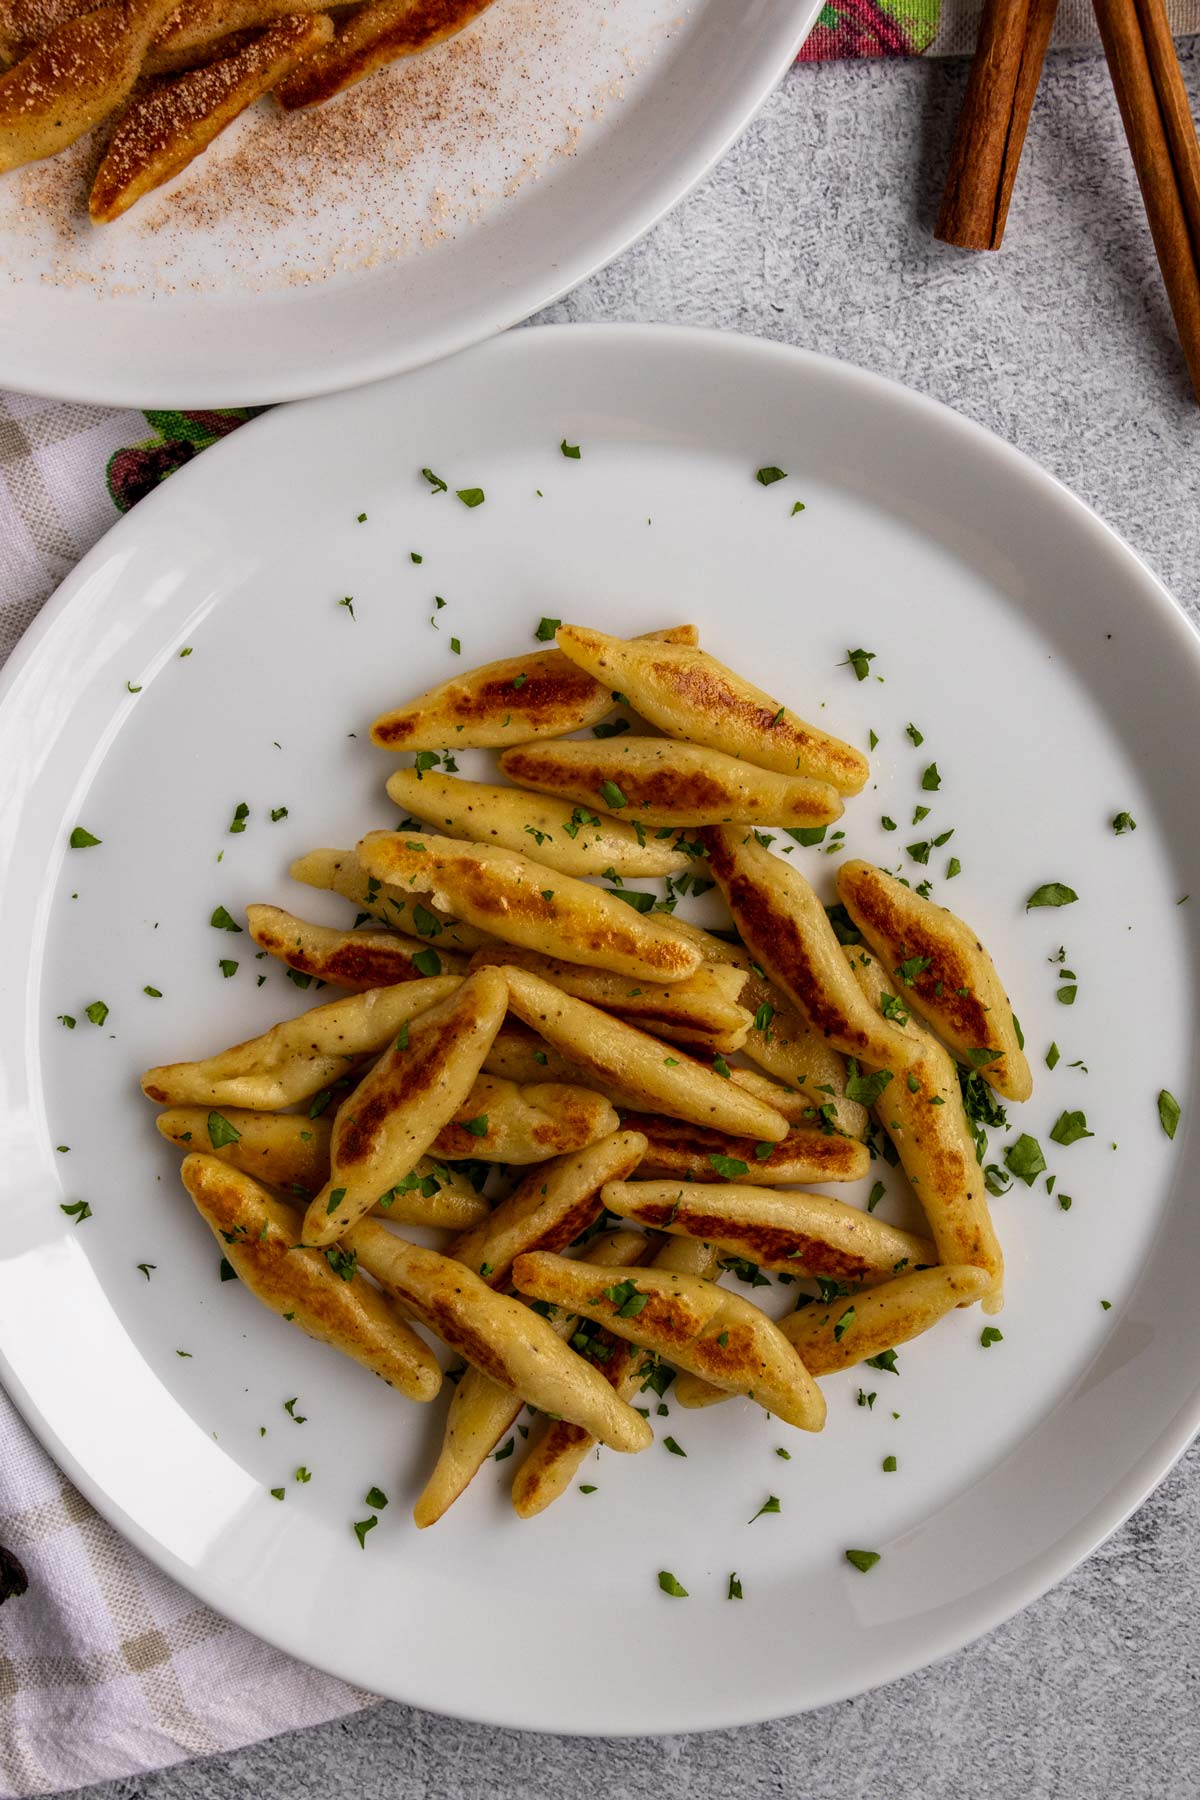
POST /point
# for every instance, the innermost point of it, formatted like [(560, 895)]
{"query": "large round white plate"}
[(437, 202), (1055, 685)]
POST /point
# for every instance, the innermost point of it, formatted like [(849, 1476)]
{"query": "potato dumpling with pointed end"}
[(557, 1452), (300, 1057), (688, 1152), (612, 1053), (75, 77), (923, 1115), (662, 783), (497, 1334), (785, 928), (356, 960), (291, 1151), (550, 1208), (481, 1411), (543, 694), (802, 1233), (572, 839), (398, 1109), (523, 902), (701, 1007), (944, 970), (167, 127), (508, 1122), (402, 909), (692, 1323), (322, 1295), (884, 1316), (689, 694), (371, 36)]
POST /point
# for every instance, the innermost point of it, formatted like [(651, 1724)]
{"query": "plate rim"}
[(390, 356), (1112, 1508)]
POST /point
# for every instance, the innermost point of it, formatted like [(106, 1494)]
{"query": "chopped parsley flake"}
[(97, 1012), (912, 967), (675, 1450), (860, 661), (769, 1505), (670, 1585), (156, 993), (428, 962), (223, 920), (990, 1335), (546, 630), (227, 967), (612, 796), (570, 450), (477, 1126), (1124, 822), (729, 1168), (361, 1528), (866, 1089), (241, 813), (220, 1131), (1069, 1128), (1169, 1112), (1051, 893), (863, 1560), (79, 1210), (83, 840), (1025, 1160), (470, 496), (769, 475), (931, 780), (734, 1591)]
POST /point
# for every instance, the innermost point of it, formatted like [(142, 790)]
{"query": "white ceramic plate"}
[(437, 202), (1055, 685)]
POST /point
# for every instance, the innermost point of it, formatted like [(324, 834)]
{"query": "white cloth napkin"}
[(107, 1668)]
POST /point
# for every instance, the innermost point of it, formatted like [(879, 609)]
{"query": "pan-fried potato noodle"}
[(504, 1122), (291, 1151), (945, 973), (550, 1208), (785, 928), (355, 960), (572, 839), (923, 1115), (525, 903), (557, 1452), (405, 909), (298, 1058), (701, 1006), (884, 1316), (692, 1323), (688, 694), (531, 1044), (612, 1051), (414, 1090), (541, 695), (690, 1153), (497, 1335), (258, 1237), (661, 783), (802, 1233), (481, 1411)]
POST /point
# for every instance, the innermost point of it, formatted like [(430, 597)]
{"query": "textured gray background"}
[(816, 230)]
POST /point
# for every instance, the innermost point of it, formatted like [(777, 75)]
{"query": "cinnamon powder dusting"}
[(408, 159)]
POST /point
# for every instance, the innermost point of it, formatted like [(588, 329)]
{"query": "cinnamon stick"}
[(1176, 109), (1145, 115), (1013, 35)]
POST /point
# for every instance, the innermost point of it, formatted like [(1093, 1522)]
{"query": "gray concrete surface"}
[(815, 229)]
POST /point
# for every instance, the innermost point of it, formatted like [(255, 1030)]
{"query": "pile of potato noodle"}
[(661, 1097)]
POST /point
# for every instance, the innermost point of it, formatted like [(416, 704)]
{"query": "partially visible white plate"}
[(437, 202), (1055, 685)]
